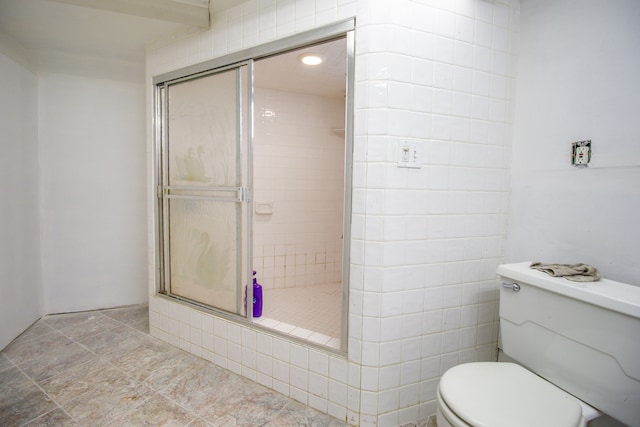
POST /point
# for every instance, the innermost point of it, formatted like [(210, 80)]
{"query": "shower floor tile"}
[(102, 368), (313, 313)]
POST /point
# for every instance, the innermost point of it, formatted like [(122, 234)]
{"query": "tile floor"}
[(311, 312), (101, 368)]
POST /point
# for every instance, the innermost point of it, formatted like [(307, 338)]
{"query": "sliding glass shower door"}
[(204, 188)]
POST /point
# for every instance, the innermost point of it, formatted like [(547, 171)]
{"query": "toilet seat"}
[(496, 394)]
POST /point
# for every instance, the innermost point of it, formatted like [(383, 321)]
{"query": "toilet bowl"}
[(496, 394)]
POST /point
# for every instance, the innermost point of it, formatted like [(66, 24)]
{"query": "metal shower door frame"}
[(240, 194)]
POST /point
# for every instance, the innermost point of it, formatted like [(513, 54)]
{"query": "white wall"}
[(578, 79), (20, 285), (425, 243), (93, 188)]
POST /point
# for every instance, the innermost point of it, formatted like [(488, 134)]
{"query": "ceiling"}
[(113, 33), (286, 72), (119, 29)]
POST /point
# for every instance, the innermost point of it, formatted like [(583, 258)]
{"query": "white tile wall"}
[(425, 242), (299, 171)]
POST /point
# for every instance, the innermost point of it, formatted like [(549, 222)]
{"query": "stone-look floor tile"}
[(157, 411), (53, 361), (128, 315), (36, 330), (166, 375), (104, 405), (12, 381), (19, 408), (125, 377), (297, 414), (61, 321), (196, 389), (5, 363), (140, 362), (141, 325), (94, 376), (243, 403), (55, 418), (121, 339), (136, 316), (199, 422), (93, 325), (23, 348)]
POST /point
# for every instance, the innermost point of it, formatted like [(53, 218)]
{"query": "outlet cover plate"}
[(581, 153)]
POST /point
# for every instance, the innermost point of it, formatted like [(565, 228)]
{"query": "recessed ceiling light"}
[(311, 59)]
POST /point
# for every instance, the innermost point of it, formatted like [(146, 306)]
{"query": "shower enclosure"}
[(254, 173)]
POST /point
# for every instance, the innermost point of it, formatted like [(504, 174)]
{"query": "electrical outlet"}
[(581, 153)]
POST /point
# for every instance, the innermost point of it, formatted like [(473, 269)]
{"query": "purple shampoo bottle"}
[(257, 297)]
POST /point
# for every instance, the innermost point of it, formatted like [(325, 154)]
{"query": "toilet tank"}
[(582, 337)]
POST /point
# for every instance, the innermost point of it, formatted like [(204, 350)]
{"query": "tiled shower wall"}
[(425, 242), (299, 178)]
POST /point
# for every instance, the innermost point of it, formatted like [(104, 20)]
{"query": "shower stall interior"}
[(254, 173)]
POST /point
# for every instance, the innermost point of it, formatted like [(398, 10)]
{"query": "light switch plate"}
[(409, 154)]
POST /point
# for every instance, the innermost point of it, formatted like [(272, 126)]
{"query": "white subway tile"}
[(422, 45), (299, 377), (468, 338), (501, 15), (388, 419), (338, 369), (371, 329), (388, 400), (444, 23), (399, 120), (500, 63), (318, 385), (371, 304), (463, 55), (409, 395), (410, 372), (422, 72), (465, 29), (444, 50), (484, 11), (370, 379), (428, 390), (390, 329), (318, 403), (299, 356), (411, 349), (407, 415), (368, 403)]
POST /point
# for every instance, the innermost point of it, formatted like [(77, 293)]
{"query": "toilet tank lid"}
[(497, 394), (605, 293)]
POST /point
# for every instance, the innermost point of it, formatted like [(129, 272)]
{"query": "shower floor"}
[(312, 312)]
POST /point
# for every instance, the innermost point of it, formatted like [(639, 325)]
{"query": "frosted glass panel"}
[(203, 238), (203, 131), (202, 175)]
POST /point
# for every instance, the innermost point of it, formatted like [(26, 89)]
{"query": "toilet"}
[(572, 351)]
